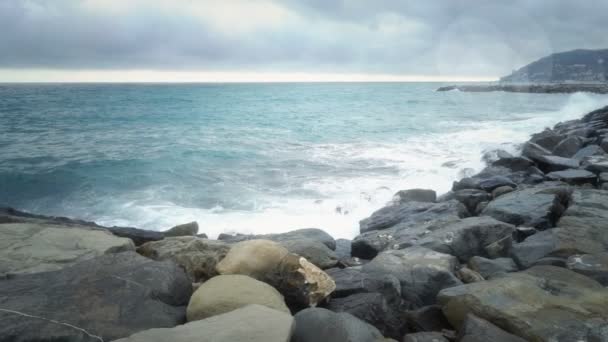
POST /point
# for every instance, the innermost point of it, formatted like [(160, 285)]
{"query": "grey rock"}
[(587, 218), (489, 268), (535, 151), (568, 147), (368, 245), (468, 276), (427, 318), (138, 236), (603, 177), (475, 329), (254, 323), (595, 164), (594, 266), (425, 337), (313, 250), (501, 190), (186, 229), (514, 163), (492, 183), (415, 195), (604, 145), (555, 163), (353, 280), (343, 248), (588, 151), (573, 176), (304, 233), (108, 297), (318, 324), (471, 198)]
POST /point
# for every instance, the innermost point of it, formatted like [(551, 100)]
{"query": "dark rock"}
[(139, 236), (573, 176), (501, 190), (604, 145), (108, 297), (304, 233), (471, 198), (425, 337), (521, 233), (555, 163), (352, 280), (588, 151), (494, 155), (475, 329), (547, 139), (465, 183), (318, 324), (427, 318), (468, 276), (551, 261), (534, 151), (514, 163), (603, 177), (489, 184), (489, 268), (368, 245), (594, 266), (587, 218), (186, 229), (343, 247), (538, 207), (596, 164), (313, 250), (568, 147), (415, 195)]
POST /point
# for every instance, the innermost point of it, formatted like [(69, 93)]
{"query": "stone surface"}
[(534, 151), (318, 324), (588, 151), (587, 217), (555, 163), (489, 268), (313, 250), (415, 195), (430, 336), (573, 176), (471, 198), (353, 280), (514, 163), (594, 266), (225, 293), (254, 323), (197, 256), (186, 229), (603, 177), (543, 303), (38, 247), (475, 329), (501, 190), (596, 164), (489, 184), (256, 258), (421, 272), (568, 147), (108, 297), (427, 318), (538, 207), (468, 276), (304, 233)]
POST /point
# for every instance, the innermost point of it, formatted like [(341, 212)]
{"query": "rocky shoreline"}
[(548, 88), (518, 252)]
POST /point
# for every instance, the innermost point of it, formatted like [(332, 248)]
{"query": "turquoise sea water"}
[(251, 157)]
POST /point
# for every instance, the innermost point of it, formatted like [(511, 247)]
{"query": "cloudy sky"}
[(233, 40)]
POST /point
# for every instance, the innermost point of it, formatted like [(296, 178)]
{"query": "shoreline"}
[(549, 88), (518, 250)]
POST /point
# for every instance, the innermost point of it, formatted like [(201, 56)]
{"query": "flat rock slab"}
[(105, 298), (543, 303), (254, 323), (594, 266), (38, 247), (596, 164), (587, 215), (317, 324), (573, 176)]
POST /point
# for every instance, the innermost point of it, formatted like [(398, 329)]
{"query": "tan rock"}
[(255, 258)]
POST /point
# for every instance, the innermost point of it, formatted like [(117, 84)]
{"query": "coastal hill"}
[(572, 66)]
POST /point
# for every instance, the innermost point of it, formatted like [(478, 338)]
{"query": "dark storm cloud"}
[(469, 37)]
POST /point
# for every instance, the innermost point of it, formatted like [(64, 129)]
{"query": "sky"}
[(288, 40)]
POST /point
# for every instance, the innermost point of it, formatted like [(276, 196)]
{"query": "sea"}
[(252, 157)]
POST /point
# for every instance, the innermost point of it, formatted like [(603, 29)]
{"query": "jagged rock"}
[(430, 336), (475, 329), (588, 151), (489, 184), (489, 268), (547, 139), (538, 207), (254, 323), (568, 147), (108, 297), (197, 256), (368, 245), (427, 318), (352, 280), (415, 195), (39, 247), (186, 229), (594, 266), (471, 198), (555, 163), (514, 163), (421, 272), (595, 164), (313, 250), (534, 151), (304, 233), (411, 213), (543, 303), (467, 275), (225, 293), (573, 176), (318, 324)]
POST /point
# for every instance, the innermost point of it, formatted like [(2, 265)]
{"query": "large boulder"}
[(256, 258), (587, 215), (253, 323), (353, 280), (421, 272), (105, 298), (415, 195), (489, 268), (426, 336), (313, 250), (596, 164), (39, 247), (588, 151), (594, 266), (225, 293), (568, 147), (543, 303), (318, 324), (475, 329), (555, 163), (186, 229), (573, 176), (538, 207), (197, 256), (298, 234)]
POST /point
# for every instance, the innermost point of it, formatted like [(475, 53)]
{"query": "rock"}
[(604, 186), (415, 195), (489, 268), (304, 233), (587, 219), (420, 271), (554, 163), (352, 280), (427, 318), (105, 298), (489, 184), (501, 190), (568, 147), (514, 163), (318, 324), (544, 303), (594, 266), (521, 233), (475, 329), (535, 151), (573, 176), (343, 248), (313, 250), (254, 323), (604, 145), (197, 256), (471, 198), (186, 229), (588, 151), (467, 275), (603, 177), (368, 245), (538, 207), (38, 247), (547, 139), (596, 164), (255, 258), (372, 308), (225, 293), (494, 155), (425, 337), (411, 213), (138, 236)]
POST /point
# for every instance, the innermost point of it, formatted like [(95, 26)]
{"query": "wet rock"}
[(138, 236), (555, 163), (471, 198), (603, 177), (186, 229), (534, 151), (256, 258), (514, 163), (313, 250), (588, 151), (501, 190), (427, 318), (587, 218), (254, 323), (39, 247), (594, 266), (573, 176), (294, 235), (543, 303), (425, 337), (108, 297), (352, 280), (568, 147), (225, 293), (415, 195), (318, 324), (420, 271), (343, 248), (492, 183), (475, 329), (368, 245), (489, 268), (199, 257), (538, 207), (595, 164), (468, 276)]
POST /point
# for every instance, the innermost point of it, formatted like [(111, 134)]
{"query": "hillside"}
[(570, 66)]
